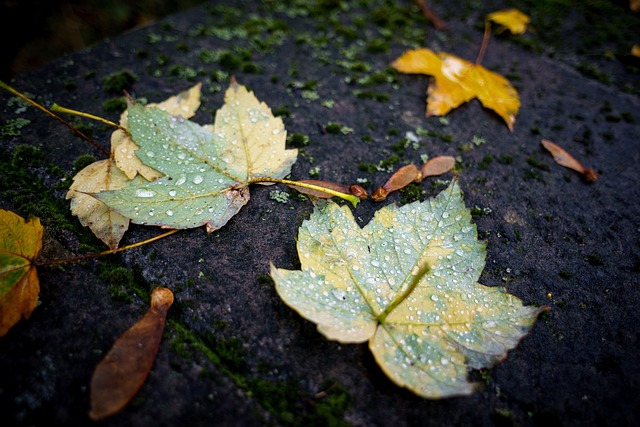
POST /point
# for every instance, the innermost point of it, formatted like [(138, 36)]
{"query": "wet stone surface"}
[(233, 353)]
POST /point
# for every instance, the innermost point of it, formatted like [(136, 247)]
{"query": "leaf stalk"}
[(348, 197)]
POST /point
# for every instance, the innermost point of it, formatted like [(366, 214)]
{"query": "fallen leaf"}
[(410, 173), (511, 19), (407, 283), (20, 244), (400, 179), (561, 157), (121, 373), (185, 104), (105, 223), (437, 166), (635, 50), (457, 81), (634, 5), (206, 170)]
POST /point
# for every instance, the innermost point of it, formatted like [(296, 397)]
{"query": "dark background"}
[(34, 32)]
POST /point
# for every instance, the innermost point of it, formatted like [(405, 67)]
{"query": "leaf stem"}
[(348, 197), (12, 91), (485, 42), (415, 279), (59, 109), (107, 252)]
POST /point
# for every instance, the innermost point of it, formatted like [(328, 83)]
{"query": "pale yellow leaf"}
[(511, 19), (108, 225)]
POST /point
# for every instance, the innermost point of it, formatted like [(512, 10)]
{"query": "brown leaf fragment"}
[(561, 157), (400, 179), (119, 376), (437, 166)]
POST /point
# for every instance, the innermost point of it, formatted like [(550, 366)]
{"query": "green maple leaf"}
[(407, 283), (207, 169)]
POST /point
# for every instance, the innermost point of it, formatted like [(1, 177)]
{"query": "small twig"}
[(40, 107), (349, 197), (107, 252), (485, 42), (59, 109), (428, 13)]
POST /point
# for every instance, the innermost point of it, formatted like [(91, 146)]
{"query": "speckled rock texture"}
[(233, 353)]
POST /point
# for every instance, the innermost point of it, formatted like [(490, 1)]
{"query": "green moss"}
[(283, 399), (117, 82), (367, 167), (372, 95), (537, 164), (594, 259), (389, 162), (12, 127), (485, 162), (412, 193), (565, 274), (505, 159), (114, 105), (184, 73), (82, 162)]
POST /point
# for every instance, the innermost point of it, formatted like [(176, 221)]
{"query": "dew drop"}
[(169, 212), (182, 156), (172, 193), (151, 154), (182, 179), (375, 263), (140, 192), (434, 298), (339, 294), (198, 179)]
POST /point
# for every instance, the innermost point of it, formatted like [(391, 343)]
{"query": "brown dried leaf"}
[(400, 179), (565, 159), (119, 376), (437, 166)]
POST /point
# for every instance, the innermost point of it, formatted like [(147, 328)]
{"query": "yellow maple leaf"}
[(457, 81), (20, 244), (511, 19), (107, 224)]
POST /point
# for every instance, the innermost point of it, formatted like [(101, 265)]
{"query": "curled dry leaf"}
[(511, 19), (106, 224), (457, 81), (20, 244), (119, 376), (561, 157)]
